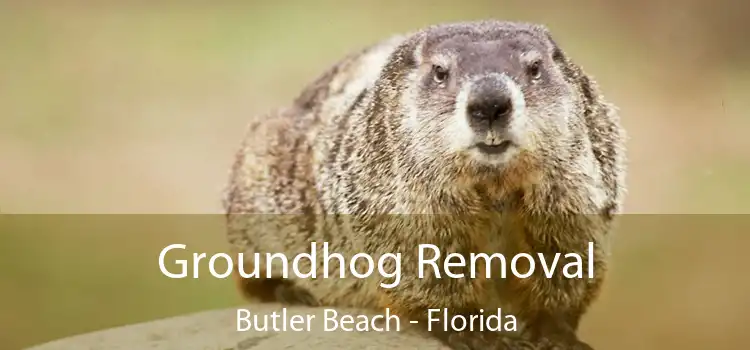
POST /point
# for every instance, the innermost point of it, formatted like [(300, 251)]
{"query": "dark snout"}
[(490, 103)]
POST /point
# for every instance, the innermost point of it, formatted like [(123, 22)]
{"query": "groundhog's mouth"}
[(494, 149)]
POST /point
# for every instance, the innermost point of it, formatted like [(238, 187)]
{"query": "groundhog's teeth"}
[(495, 148)]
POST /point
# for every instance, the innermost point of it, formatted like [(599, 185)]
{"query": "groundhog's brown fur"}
[(382, 133)]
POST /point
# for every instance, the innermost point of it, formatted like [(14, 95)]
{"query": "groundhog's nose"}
[(490, 101)]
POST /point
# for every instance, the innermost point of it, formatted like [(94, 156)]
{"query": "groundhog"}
[(474, 137)]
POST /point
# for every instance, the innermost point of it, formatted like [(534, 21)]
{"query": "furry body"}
[(373, 142)]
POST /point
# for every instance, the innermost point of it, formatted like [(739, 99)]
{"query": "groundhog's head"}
[(486, 96)]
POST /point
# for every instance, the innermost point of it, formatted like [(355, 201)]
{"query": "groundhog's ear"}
[(416, 48), (573, 73), (400, 62), (558, 55)]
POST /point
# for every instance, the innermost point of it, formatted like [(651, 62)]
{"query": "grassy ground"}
[(137, 109)]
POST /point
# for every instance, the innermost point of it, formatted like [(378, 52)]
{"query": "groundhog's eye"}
[(534, 70), (439, 73)]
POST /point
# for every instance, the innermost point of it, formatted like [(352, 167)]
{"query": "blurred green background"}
[(136, 107)]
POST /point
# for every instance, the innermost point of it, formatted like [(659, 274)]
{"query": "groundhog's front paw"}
[(287, 293), (488, 341), (571, 344)]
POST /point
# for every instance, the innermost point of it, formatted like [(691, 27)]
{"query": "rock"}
[(217, 330)]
